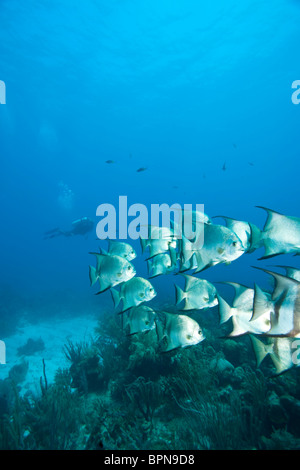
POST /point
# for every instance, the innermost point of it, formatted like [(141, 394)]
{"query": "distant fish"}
[(110, 161), (251, 163), (235, 146), (224, 168), (139, 170)]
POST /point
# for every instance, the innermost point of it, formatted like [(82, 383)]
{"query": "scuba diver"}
[(79, 227)]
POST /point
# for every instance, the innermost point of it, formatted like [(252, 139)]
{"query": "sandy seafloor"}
[(55, 332)]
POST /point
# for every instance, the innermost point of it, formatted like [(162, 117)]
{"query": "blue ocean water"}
[(176, 87)]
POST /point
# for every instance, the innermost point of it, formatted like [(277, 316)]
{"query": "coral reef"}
[(119, 392), (31, 347)]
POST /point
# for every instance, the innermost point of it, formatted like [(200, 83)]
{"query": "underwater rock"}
[(277, 414), (291, 405), (238, 376), (32, 346), (220, 365), (232, 351), (280, 439), (18, 372)]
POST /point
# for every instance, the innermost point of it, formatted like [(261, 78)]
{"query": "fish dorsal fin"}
[(282, 283), (274, 219), (261, 303), (239, 290), (190, 281), (291, 272), (235, 225)]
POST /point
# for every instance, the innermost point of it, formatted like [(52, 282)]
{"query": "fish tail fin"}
[(225, 311), (180, 294), (260, 350), (93, 275), (256, 238), (261, 303), (115, 296)]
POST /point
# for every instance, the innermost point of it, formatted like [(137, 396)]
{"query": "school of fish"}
[(274, 315)]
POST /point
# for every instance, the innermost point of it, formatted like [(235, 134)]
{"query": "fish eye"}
[(199, 332), (234, 243), (129, 268), (151, 289), (147, 322)]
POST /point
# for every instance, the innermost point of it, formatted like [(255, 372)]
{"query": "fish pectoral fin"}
[(115, 296), (103, 290), (220, 250)]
